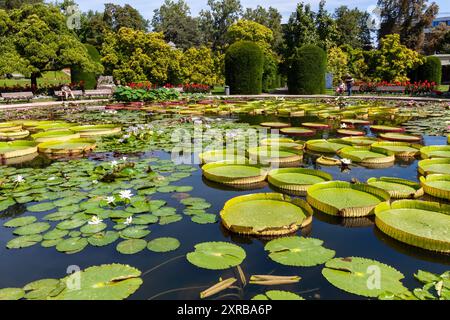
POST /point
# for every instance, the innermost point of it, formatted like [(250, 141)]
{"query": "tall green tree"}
[(408, 18), (326, 27), (352, 27), (116, 17), (39, 37), (93, 28), (15, 4), (174, 20), (271, 18), (216, 21)]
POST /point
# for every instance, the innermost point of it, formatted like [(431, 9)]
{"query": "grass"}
[(48, 78)]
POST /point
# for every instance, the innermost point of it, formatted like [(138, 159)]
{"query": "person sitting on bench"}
[(66, 91)]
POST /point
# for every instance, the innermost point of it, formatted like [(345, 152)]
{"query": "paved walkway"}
[(100, 103)]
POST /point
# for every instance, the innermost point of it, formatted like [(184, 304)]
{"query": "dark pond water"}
[(178, 279)]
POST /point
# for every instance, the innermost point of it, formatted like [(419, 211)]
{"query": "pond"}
[(65, 184)]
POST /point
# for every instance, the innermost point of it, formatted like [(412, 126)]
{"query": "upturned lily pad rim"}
[(385, 155), (349, 212), (399, 194), (303, 205), (383, 128), (30, 147), (402, 137), (422, 165), (433, 190), (233, 180), (407, 237), (226, 154), (298, 131), (55, 135), (316, 125), (312, 145), (378, 146), (424, 151), (350, 132), (254, 153), (50, 147), (276, 125), (354, 140), (298, 188)]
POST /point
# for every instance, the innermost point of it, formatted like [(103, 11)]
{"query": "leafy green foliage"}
[(277, 295), (216, 255), (307, 71)]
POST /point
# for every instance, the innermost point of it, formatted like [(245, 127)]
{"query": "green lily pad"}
[(70, 224), (34, 228), (20, 222), (164, 244), (105, 282), (93, 228), (135, 232), (170, 219), (72, 245), (277, 295), (103, 238), (299, 252), (41, 289), (11, 293), (24, 241), (204, 218), (40, 207), (216, 255), (365, 277), (131, 246), (55, 234)]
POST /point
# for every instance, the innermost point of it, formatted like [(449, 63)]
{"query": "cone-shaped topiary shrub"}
[(306, 74), (244, 63), (89, 78), (431, 70)]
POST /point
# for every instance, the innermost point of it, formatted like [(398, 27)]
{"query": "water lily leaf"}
[(11, 293), (192, 200), (5, 204), (72, 245), (277, 295), (298, 251), (363, 277), (204, 218), (135, 232), (40, 207), (93, 228), (57, 216), (24, 241), (41, 289), (103, 238), (165, 211), (170, 219), (34, 228), (70, 224), (216, 255), (184, 189), (166, 189), (105, 282), (164, 244), (131, 246), (145, 219), (20, 222), (55, 234), (51, 243)]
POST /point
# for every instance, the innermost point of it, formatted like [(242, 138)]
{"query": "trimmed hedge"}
[(431, 70), (306, 74), (244, 63), (89, 78)]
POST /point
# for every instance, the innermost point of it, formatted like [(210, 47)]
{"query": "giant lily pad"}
[(282, 143), (345, 199), (234, 173), (274, 154), (265, 214), (222, 155), (298, 251), (88, 131), (363, 277), (296, 180), (437, 185), (400, 149), (55, 135), (298, 131), (438, 165), (326, 146), (435, 152), (216, 255), (316, 125), (418, 223), (275, 125), (393, 136), (381, 128), (73, 146), (17, 148), (105, 282), (396, 187), (366, 157), (14, 135)]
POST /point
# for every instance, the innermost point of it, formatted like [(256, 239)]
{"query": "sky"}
[(285, 7)]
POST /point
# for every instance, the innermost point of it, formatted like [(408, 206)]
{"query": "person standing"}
[(349, 81)]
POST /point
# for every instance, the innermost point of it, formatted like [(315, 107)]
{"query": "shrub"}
[(306, 74), (244, 61), (89, 78), (430, 71), (144, 92)]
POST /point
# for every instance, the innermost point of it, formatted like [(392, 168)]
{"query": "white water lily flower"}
[(19, 179), (113, 163), (128, 220), (346, 161), (51, 178), (110, 199), (125, 194), (343, 125), (124, 158), (95, 220), (94, 181)]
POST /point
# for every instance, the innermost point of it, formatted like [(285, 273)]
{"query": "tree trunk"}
[(34, 82)]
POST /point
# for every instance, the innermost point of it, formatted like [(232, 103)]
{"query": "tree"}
[(393, 60), (337, 63), (408, 18), (174, 21), (116, 17), (201, 65), (438, 40), (352, 27), (326, 27), (134, 55), (216, 21), (271, 18), (38, 36), (93, 28), (15, 4)]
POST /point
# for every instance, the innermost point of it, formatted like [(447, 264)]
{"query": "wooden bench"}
[(356, 88), (391, 89), (76, 94), (10, 96), (98, 93)]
